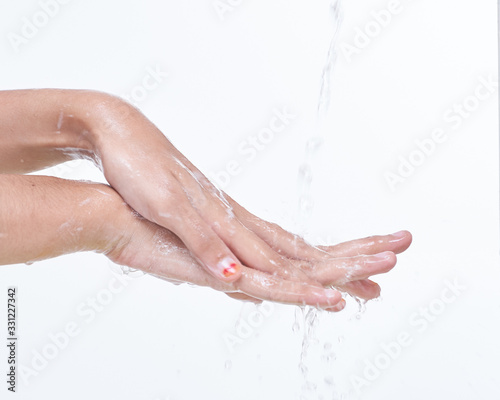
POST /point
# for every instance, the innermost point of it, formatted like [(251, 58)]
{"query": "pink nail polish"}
[(229, 267)]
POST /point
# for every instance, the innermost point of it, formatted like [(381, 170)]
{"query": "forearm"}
[(41, 128), (43, 217)]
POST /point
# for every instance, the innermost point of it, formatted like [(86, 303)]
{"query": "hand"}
[(156, 180), (151, 248), (82, 216), (45, 127), (347, 267)]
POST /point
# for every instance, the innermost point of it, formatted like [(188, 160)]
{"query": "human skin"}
[(44, 217), (40, 128)]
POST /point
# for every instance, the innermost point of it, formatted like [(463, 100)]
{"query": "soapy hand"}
[(156, 180), (161, 184), (49, 126), (347, 267)]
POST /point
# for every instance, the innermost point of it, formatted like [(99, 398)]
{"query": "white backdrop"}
[(412, 76)]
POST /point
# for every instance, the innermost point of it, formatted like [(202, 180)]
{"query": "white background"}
[(225, 76)]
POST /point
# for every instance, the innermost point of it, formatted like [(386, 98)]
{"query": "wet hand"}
[(160, 183), (155, 250), (346, 267)]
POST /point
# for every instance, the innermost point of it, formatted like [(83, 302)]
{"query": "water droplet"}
[(124, 270), (329, 357), (361, 307), (228, 365), (329, 380), (306, 205), (305, 172), (303, 369), (29, 263), (295, 327), (313, 145), (309, 386), (305, 178)]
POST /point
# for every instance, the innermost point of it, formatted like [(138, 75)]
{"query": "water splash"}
[(361, 307)]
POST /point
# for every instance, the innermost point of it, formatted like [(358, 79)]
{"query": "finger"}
[(339, 271), (250, 249), (244, 297), (256, 253), (205, 245), (280, 240), (397, 243), (273, 288), (363, 289), (167, 258), (338, 307), (253, 283)]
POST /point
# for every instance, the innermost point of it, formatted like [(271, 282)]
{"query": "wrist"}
[(85, 121), (112, 222), (105, 122)]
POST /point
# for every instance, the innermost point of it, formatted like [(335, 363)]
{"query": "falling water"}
[(316, 139), (306, 204)]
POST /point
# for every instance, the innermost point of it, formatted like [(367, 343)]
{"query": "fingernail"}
[(229, 267), (386, 255), (400, 234), (337, 307)]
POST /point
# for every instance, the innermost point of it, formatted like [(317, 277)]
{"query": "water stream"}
[(309, 315)]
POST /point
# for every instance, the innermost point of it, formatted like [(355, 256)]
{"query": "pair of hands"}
[(166, 217), (239, 253)]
